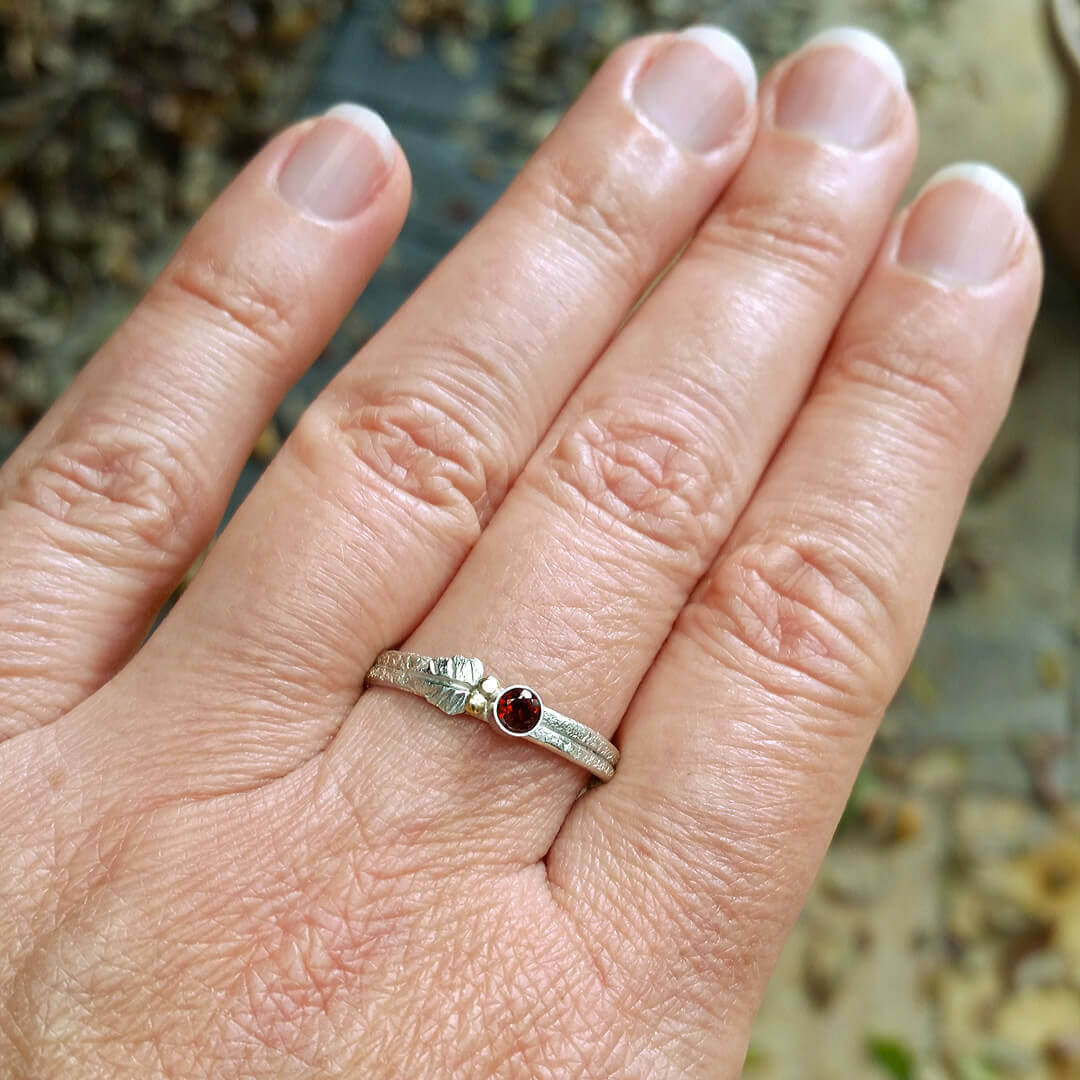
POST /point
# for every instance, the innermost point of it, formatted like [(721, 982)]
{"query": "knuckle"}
[(592, 202), (646, 470), (803, 620), (808, 243), (118, 482), (921, 382), (423, 442), (248, 303)]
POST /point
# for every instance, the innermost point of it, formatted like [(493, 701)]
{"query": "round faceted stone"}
[(518, 710)]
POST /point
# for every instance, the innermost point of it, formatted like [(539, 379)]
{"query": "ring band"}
[(459, 684)]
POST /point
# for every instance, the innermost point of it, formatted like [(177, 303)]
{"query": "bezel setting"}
[(517, 699)]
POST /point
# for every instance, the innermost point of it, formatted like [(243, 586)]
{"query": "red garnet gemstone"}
[(518, 710)]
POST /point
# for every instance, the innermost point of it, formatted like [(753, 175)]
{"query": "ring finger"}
[(577, 581)]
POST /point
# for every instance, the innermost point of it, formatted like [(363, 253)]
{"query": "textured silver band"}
[(459, 685)]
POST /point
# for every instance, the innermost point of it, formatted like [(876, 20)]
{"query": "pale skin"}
[(711, 530)]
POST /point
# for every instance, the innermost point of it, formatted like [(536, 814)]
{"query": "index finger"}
[(122, 484)]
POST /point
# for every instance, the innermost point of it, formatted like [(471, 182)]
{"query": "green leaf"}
[(971, 1068), (892, 1057), (517, 12)]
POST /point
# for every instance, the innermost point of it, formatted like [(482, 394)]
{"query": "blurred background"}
[(943, 937)]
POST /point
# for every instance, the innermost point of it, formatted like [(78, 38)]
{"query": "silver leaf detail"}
[(468, 669), (452, 680)]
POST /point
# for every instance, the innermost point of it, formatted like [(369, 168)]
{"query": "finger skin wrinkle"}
[(808, 243), (225, 293), (923, 387), (586, 212), (655, 472), (421, 443), (604, 202), (116, 492), (22, 671), (801, 618)]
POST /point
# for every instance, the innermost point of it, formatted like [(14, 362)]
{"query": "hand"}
[(714, 527)]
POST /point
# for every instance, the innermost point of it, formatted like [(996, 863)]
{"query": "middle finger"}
[(575, 584)]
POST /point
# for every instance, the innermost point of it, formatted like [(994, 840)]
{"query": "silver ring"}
[(459, 685)]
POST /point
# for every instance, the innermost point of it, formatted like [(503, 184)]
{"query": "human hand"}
[(715, 527)]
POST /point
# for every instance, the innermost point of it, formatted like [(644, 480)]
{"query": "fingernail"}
[(699, 88), (339, 164), (964, 226), (844, 88)]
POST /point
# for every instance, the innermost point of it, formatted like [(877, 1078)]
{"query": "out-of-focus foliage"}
[(119, 118)]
